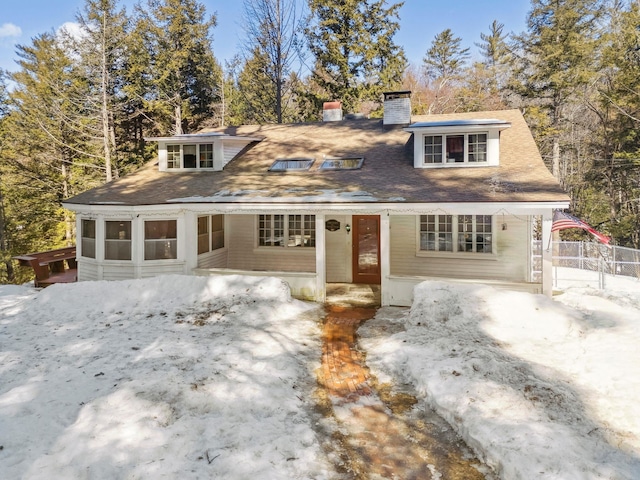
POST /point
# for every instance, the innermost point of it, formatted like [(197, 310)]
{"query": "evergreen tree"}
[(183, 71), (555, 61), (352, 42), (102, 50), (49, 154), (444, 64)]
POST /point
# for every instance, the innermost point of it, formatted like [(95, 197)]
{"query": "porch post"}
[(547, 254), (321, 275), (385, 258)]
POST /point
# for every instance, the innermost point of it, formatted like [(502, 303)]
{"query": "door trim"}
[(369, 278)]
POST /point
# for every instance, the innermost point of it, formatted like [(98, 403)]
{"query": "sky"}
[(420, 21), (187, 377)]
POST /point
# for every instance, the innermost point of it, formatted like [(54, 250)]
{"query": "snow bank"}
[(170, 377), (537, 388)]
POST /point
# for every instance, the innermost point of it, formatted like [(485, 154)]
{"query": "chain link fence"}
[(587, 262)]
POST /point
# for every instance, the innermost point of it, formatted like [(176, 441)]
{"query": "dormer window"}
[(455, 148), (457, 143), (190, 156), (199, 151)]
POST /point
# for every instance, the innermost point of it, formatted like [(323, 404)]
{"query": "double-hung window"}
[(287, 231), (88, 238), (455, 148), (160, 239), (456, 233), (117, 240)]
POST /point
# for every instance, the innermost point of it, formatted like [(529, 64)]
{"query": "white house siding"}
[(215, 259), (245, 255), (231, 149), (510, 264), (165, 268), (87, 271), (338, 248), (118, 271)]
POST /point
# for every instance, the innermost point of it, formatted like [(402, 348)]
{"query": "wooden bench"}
[(53, 266)]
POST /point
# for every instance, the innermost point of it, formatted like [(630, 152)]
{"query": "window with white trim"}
[(160, 239), (287, 231), (455, 148), (472, 233), (88, 238), (191, 156), (210, 233), (206, 155), (117, 240)]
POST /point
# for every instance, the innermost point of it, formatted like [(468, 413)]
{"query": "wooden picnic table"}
[(52, 266)]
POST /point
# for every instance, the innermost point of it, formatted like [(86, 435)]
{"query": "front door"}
[(366, 249)]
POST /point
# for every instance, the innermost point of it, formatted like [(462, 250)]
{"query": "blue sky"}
[(421, 20)]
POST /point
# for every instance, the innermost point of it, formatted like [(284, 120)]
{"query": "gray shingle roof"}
[(386, 176)]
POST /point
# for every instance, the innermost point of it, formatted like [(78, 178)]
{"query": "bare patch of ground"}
[(375, 431)]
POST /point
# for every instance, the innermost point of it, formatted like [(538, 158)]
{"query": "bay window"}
[(117, 240), (88, 238), (160, 239)]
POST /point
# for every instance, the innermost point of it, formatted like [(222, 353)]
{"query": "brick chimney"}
[(331, 111), (397, 108)]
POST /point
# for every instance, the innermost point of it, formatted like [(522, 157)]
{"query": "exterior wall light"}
[(347, 227)]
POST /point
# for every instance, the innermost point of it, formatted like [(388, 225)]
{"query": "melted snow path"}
[(381, 434)]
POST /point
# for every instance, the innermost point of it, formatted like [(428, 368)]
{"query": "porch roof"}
[(387, 175)]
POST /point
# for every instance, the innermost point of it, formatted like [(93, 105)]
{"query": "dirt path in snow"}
[(379, 434)]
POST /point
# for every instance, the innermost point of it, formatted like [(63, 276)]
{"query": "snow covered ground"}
[(200, 377), (539, 388), (172, 377)]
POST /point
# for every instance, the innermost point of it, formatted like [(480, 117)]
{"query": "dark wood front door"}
[(366, 249)]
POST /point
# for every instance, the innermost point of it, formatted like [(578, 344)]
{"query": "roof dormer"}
[(199, 152), (457, 143)]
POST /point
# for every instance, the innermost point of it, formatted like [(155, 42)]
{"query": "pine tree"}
[(555, 60), (356, 58), (184, 74), (102, 49), (444, 64), (50, 154)]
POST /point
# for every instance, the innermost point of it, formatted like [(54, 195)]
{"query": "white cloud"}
[(10, 30), (72, 29)]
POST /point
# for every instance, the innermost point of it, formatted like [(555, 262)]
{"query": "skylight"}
[(353, 163), (291, 164)]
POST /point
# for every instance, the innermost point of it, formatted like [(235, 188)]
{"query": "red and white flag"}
[(563, 220)]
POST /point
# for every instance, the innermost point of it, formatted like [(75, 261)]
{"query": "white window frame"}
[(171, 243), (118, 240), (302, 238), (455, 237), (88, 243), (199, 160), (211, 235), (446, 161)]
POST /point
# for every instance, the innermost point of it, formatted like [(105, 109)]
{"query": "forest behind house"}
[(76, 111)]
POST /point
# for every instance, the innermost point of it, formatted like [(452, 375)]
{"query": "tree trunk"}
[(556, 158), (105, 106), (177, 113)]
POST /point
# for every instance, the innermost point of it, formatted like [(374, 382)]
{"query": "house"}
[(392, 202)]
